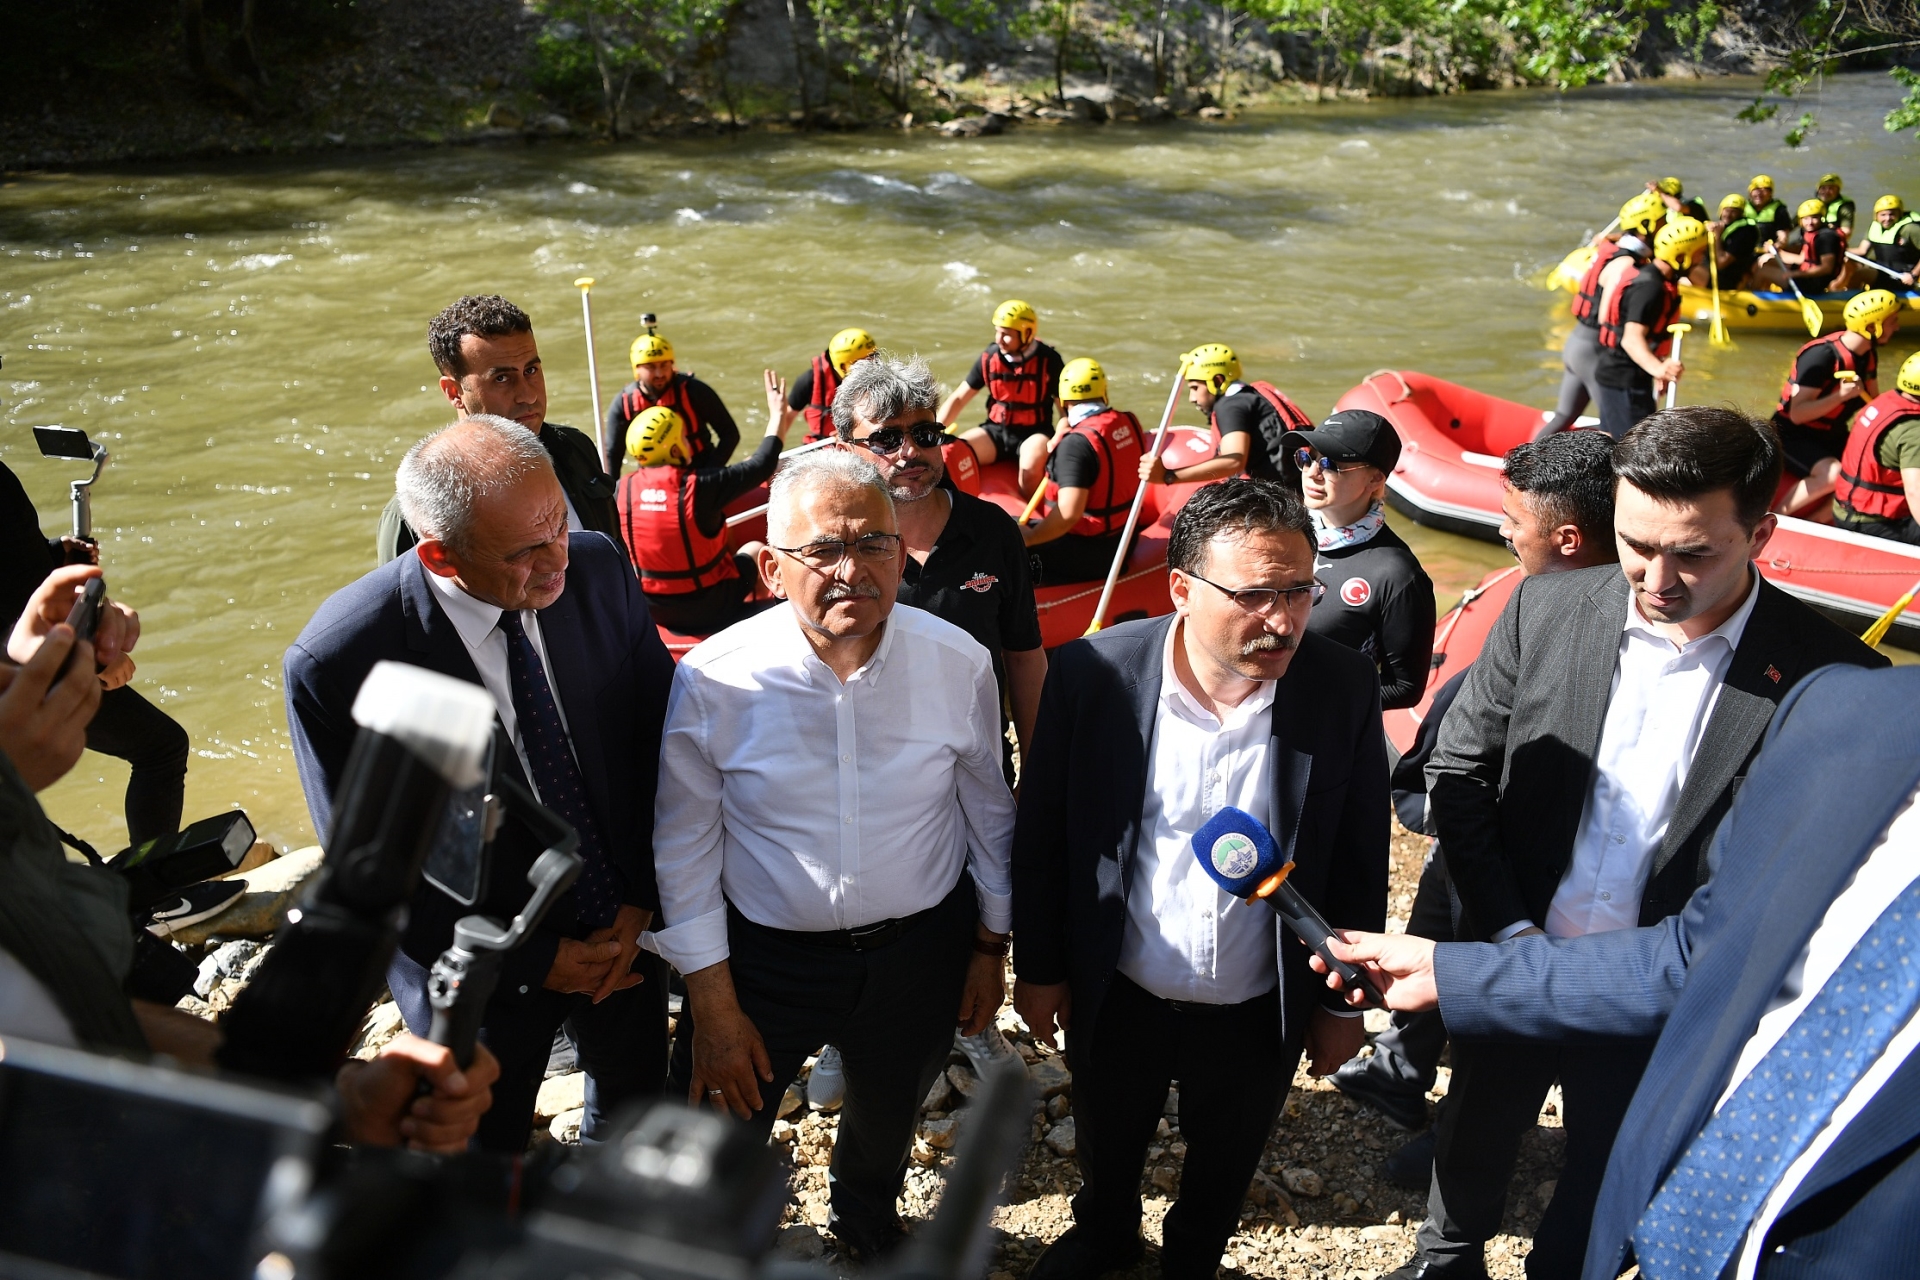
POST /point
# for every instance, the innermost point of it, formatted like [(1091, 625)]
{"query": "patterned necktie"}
[(556, 775), (1707, 1204)]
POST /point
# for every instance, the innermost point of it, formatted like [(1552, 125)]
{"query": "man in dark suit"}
[(1816, 880), (1579, 776), (1145, 731), (554, 626)]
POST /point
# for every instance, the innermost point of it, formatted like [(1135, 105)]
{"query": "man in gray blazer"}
[(1580, 775)]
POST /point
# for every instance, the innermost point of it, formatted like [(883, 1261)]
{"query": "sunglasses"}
[(829, 552), (1308, 460), (925, 435)]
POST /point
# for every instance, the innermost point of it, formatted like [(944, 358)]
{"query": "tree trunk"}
[(1060, 51), (800, 67), (602, 62)]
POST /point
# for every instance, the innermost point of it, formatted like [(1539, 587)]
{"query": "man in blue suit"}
[(554, 626), (1776, 1132)]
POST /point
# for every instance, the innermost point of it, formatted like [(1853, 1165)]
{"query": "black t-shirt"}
[(1826, 242), (1742, 243), (978, 579), (1815, 369), (27, 555), (800, 391), (1379, 601), (715, 487), (1075, 463), (1644, 302), (718, 424), (1249, 411)]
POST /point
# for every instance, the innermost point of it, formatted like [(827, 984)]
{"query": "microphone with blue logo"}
[(1239, 853)]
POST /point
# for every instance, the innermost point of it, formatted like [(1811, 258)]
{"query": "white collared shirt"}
[(478, 624), (1186, 937), (1663, 695), (1893, 864), (812, 805)]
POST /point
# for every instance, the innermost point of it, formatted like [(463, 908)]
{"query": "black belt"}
[(868, 937)]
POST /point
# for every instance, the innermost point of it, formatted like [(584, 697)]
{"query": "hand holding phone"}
[(84, 618)]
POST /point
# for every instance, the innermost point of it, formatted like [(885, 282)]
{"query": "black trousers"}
[(890, 1011), (130, 728), (1621, 408), (1233, 1071), (1406, 1056), (1073, 558), (622, 1043), (1493, 1099)]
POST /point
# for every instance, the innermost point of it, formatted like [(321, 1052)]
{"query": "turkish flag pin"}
[(1772, 673)]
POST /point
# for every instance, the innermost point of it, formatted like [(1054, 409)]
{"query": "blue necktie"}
[(1707, 1204), (556, 775)]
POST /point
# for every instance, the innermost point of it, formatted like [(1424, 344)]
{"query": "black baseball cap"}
[(1351, 435)]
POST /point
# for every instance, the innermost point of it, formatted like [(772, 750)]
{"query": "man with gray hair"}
[(498, 592), (831, 836)]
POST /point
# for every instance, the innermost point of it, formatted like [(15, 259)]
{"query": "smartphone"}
[(63, 442), (84, 618)]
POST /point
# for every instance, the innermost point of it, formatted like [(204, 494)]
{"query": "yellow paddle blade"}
[(1815, 318), (1878, 631)]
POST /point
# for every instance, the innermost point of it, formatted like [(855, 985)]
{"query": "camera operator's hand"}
[(79, 550), (44, 714), (625, 930), (729, 1058), (380, 1103), (114, 636), (582, 966)]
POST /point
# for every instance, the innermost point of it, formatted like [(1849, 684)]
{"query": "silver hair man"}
[(821, 468), (444, 476), (883, 386)]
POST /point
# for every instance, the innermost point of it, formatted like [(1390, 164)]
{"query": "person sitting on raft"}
[(1839, 209), (1093, 474), (1822, 391), (1737, 242), (814, 390), (1767, 212), (1379, 600), (1673, 196), (1879, 484), (673, 515), (1893, 240), (1249, 420), (1812, 256), (1020, 373), (710, 427)]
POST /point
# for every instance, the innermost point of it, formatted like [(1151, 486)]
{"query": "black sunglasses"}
[(925, 435)]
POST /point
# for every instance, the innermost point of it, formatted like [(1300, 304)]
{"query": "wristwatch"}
[(998, 948)]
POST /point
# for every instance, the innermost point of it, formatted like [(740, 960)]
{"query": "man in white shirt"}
[(1579, 776), (831, 836), (1147, 730)]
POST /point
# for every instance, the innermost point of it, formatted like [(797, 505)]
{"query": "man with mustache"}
[(831, 836), (1578, 780), (1146, 730)]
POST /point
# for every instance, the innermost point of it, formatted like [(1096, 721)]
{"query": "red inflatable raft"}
[(1453, 439), (1457, 639), (1065, 610)]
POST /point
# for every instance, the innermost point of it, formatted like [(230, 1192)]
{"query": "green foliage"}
[(1907, 114), (615, 42), (1819, 39)]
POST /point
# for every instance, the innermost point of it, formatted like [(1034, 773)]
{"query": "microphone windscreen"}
[(1237, 850), (446, 722)]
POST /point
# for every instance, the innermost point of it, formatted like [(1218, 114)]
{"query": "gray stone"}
[(562, 1094), (940, 1134), (260, 911), (1057, 1107), (502, 116), (1063, 1138), (566, 1127), (790, 1102), (1050, 1076), (1303, 1182), (551, 126), (975, 126), (964, 1082), (940, 1095), (1163, 1179)]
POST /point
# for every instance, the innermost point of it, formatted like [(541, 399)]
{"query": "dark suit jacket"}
[(1841, 759), (1083, 790), (612, 674), (1510, 776)]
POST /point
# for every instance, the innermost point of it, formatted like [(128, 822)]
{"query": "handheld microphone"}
[(1239, 853), (422, 736)]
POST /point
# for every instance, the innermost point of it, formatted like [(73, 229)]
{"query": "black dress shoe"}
[(1440, 1269), (867, 1245), (1391, 1099), (1077, 1255), (1411, 1167)]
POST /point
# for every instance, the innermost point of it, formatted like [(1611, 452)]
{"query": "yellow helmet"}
[(1015, 314), (658, 437), (1828, 180), (1643, 213), (649, 348), (1885, 203), (1733, 201), (1814, 208), (1680, 242), (1867, 313), (1212, 363), (1760, 182), (1083, 379), (1909, 379), (1670, 186), (849, 346)]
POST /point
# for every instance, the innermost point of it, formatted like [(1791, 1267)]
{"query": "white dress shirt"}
[(811, 805), (1186, 937), (1663, 695), (479, 626), (1892, 865)]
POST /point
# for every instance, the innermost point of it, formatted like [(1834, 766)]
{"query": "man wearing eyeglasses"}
[(831, 836), (1147, 729)]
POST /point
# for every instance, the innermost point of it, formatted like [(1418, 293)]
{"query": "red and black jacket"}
[(1018, 394), (1115, 437), (1844, 359), (819, 410), (1613, 327), (1867, 486)]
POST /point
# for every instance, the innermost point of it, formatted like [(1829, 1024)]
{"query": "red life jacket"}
[(1115, 437), (1613, 328), (1586, 301), (963, 465), (672, 555), (1867, 486), (1292, 417), (819, 410), (1866, 366), (635, 401), (1018, 394)]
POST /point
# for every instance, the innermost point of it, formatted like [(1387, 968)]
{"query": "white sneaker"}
[(987, 1050), (827, 1083)]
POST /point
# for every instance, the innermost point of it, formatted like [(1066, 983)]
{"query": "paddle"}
[(585, 285), (1033, 503), (1139, 496), (797, 450), (1885, 271), (1717, 335), (1678, 331), (1878, 631), (1810, 312)]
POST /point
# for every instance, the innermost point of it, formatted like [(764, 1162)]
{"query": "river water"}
[(248, 338)]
